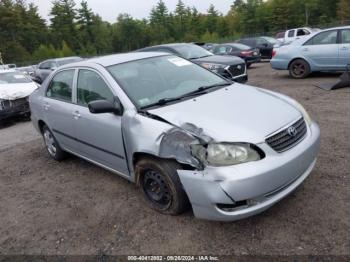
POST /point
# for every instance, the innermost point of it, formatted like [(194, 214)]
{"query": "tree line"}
[(25, 37)]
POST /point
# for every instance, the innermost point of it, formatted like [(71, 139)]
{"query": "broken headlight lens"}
[(225, 154)]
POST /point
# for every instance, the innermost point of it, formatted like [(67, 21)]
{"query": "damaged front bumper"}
[(10, 108), (236, 192)]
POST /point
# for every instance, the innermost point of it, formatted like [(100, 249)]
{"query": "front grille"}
[(288, 137), (9, 104), (237, 70), (18, 102)]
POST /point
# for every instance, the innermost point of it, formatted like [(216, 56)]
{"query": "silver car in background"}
[(46, 67), (327, 50), (184, 135)]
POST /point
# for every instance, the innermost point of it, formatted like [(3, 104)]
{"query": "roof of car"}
[(116, 59), (171, 45)]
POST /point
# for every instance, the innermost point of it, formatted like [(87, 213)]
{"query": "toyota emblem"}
[(239, 67), (292, 131)]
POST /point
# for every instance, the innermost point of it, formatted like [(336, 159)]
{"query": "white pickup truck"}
[(294, 34)]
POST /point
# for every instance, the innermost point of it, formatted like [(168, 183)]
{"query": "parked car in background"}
[(265, 47), (207, 46), (183, 134), (7, 66), (327, 50), (15, 88), (248, 54), (233, 68), (28, 70), (294, 34), (46, 67)]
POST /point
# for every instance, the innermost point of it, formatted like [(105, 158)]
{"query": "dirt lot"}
[(74, 207)]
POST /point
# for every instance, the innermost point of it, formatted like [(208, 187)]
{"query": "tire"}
[(52, 146), (161, 185), (299, 69)]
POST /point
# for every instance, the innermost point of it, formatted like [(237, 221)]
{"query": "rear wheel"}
[(299, 68), (161, 185), (52, 146)]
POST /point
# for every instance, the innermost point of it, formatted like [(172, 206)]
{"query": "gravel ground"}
[(75, 208)]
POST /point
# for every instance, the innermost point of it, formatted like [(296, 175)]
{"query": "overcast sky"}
[(109, 9)]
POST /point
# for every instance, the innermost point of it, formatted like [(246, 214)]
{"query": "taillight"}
[(246, 53), (274, 52)]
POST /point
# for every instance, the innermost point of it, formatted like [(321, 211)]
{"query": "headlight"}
[(213, 67), (303, 112), (225, 154)]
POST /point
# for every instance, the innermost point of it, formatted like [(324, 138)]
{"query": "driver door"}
[(99, 135)]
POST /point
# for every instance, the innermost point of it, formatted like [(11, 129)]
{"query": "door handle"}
[(343, 48), (76, 115), (306, 49), (46, 106)]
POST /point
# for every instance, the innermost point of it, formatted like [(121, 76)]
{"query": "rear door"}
[(58, 108), (322, 50), (99, 135), (344, 49)]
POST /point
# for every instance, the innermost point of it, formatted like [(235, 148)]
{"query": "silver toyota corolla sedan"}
[(183, 134)]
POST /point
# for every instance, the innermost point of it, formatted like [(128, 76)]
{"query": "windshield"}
[(13, 78), (191, 51), (149, 80)]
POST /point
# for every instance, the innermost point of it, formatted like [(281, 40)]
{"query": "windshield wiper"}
[(162, 102), (199, 91), (199, 57)]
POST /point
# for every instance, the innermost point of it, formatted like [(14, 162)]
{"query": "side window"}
[(92, 87), (324, 38), (345, 36), (61, 86), (291, 33), (221, 50)]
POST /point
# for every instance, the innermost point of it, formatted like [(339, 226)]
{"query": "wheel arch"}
[(41, 125), (137, 156), (296, 58)]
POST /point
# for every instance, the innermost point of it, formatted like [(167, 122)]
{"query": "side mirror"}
[(104, 106), (53, 68)]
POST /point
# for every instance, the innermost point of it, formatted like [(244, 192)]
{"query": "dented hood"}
[(16, 91), (238, 113)]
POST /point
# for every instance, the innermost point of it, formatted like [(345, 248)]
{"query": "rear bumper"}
[(232, 193), (279, 64)]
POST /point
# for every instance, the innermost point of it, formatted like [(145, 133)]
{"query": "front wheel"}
[(52, 146), (161, 185), (299, 68)]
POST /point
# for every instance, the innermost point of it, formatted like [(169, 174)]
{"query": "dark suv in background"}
[(230, 67), (247, 53), (264, 44), (45, 68)]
